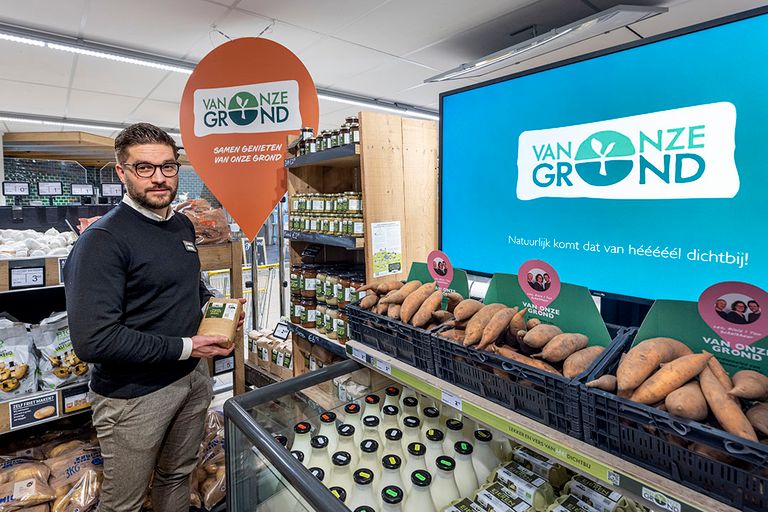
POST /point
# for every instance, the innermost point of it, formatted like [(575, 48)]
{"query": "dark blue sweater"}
[(133, 291)]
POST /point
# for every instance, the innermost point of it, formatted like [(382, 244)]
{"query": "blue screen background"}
[(480, 129)]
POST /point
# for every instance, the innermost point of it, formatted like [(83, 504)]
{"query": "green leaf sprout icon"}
[(242, 103), (602, 152)]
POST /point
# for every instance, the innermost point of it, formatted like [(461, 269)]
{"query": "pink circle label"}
[(440, 269), (734, 311), (539, 282)]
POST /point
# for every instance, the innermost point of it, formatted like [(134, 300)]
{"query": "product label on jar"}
[(313, 225), (573, 504), (348, 294), (356, 136), (298, 311), (354, 205), (602, 498), (346, 138), (539, 464), (295, 204), (294, 281), (465, 505), (524, 482), (338, 291), (498, 498), (310, 283), (318, 205), (358, 228), (311, 315), (340, 326)]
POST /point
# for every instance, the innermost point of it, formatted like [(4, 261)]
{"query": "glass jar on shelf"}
[(295, 313), (320, 317), (357, 281), (355, 202), (342, 326), (302, 204), (320, 285), (312, 144), (330, 290), (344, 138), (345, 281), (295, 273), (308, 312), (358, 226), (309, 271), (332, 312), (335, 139)]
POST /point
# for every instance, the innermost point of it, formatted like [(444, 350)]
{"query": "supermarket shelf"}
[(256, 376), (342, 156), (347, 242), (317, 399), (20, 412), (316, 338), (610, 470)]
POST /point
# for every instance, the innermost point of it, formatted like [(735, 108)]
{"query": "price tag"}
[(359, 355), (223, 365), (383, 367), (281, 331), (451, 400), (62, 262), (27, 277)]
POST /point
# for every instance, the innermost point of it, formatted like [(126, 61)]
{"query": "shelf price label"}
[(383, 366), (281, 331), (451, 400), (32, 277), (359, 355)]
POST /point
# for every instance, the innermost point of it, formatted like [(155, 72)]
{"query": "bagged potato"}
[(22, 469), (82, 495), (58, 366), (220, 318), (210, 471), (67, 470), (18, 494), (17, 361)]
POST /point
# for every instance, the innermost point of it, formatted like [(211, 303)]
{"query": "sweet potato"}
[(369, 301), (670, 377), (758, 417), (424, 314), (578, 362), (414, 300), (497, 326), (712, 453), (441, 316), (561, 346), (520, 358), (532, 322), (688, 402), (541, 335), (606, 383), (720, 373), (381, 309), (726, 409), (369, 286), (518, 321), (399, 296), (466, 309), (453, 334), (750, 385), (644, 358), (393, 311), (478, 322), (385, 287), (454, 299)]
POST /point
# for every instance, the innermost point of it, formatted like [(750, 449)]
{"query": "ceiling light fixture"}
[(14, 117), (395, 108), (600, 23)]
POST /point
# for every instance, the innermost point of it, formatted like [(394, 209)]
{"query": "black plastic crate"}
[(660, 442), (407, 343), (550, 399)]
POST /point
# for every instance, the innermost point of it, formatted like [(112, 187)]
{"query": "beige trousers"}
[(158, 432)]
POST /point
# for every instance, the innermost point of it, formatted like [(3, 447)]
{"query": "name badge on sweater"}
[(189, 246)]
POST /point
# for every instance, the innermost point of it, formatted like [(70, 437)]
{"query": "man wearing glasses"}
[(134, 299)]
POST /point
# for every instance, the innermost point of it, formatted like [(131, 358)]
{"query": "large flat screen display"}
[(642, 171)]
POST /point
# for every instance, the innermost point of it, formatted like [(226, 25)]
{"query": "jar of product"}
[(354, 132), (356, 282), (318, 203), (330, 293), (326, 229), (302, 206), (358, 226), (345, 282), (335, 142), (308, 313), (327, 286), (295, 272), (332, 313), (344, 135), (312, 143), (294, 203), (342, 203), (301, 147), (342, 327), (307, 133), (351, 119), (333, 226), (327, 140), (312, 224), (320, 317), (320, 285), (309, 271), (296, 309)]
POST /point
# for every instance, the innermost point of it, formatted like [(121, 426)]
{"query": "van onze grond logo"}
[(255, 108), (682, 153)]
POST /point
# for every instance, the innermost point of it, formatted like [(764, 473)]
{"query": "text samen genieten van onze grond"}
[(245, 154), (740, 258)]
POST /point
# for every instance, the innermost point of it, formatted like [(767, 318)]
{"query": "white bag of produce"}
[(58, 366), (17, 361)]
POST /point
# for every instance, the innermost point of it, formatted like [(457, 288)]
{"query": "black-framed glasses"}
[(147, 170)]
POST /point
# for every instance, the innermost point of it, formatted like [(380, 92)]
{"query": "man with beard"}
[(134, 299)]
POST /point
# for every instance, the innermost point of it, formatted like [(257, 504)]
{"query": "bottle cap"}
[(346, 430), (363, 476), (391, 410), (319, 442), (341, 458), (391, 461), (318, 472), (435, 434), (392, 391), (352, 408), (372, 399), (454, 424), (328, 417), (483, 435), (417, 449), (364, 508), (281, 439), (369, 445), (340, 493), (371, 421), (302, 428), (463, 447), (392, 494), (393, 434), (410, 401), (421, 478), (431, 412), (411, 421), (445, 463), (298, 455)]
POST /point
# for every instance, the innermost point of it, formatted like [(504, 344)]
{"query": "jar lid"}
[(411, 422), (328, 417), (318, 473), (372, 399), (431, 412), (339, 492), (302, 428), (417, 449), (371, 421), (445, 463), (392, 391), (319, 442), (369, 445), (421, 478), (392, 495), (410, 401), (281, 439), (391, 461), (483, 435), (434, 434), (352, 408), (363, 476), (463, 448), (299, 456), (454, 424), (346, 430), (341, 458), (393, 434), (390, 410), (364, 508)]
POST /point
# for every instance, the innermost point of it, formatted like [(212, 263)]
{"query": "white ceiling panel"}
[(427, 94), (403, 26), (383, 81), (160, 113), (106, 76), (32, 98), (171, 88), (34, 64), (53, 15), (320, 16), (104, 107), (170, 27), (332, 61)]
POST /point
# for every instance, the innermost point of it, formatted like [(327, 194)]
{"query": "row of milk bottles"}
[(402, 453)]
